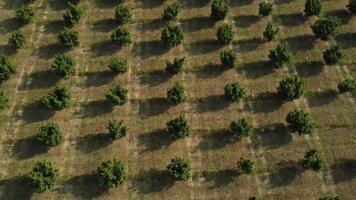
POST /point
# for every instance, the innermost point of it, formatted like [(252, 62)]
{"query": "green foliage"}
[(43, 176), (352, 6), (312, 7), (63, 65), (347, 85), (233, 91), (117, 94), (280, 55), (300, 121), (4, 100), (246, 166), (25, 14), (178, 128), (291, 88), (179, 169), (112, 173), (228, 59), (73, 1), (69, 38), (72, 14), (270, 33), (225, 34), (17, 40), (333, 55), (265, 8), (118, 65), (313, 160), (329, 198), (7, 68), (121, 36), (116, 129), (325, 28), (177, 93), (219, 9), (241, 128), (57, 99), (50, 134), (171, 12), (122, 13), (172, 36), (176, 66)]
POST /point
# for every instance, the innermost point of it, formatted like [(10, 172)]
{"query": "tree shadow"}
[(152, 25), (152, 181), (28, 148), (7, 50), (197, 23), (256, 69), (50, 50), (240, 2), (54, 26), (36, 111), (40, 80), (281, 2), (267, 102), (98, 78), (105, 4), (194, 4), (154, 78), (95, 108), (204, 47), (343, 15), (251, 44), (147, 49), (220, 178), (292, 19), (216, 139), (244, 21), (9, 25), (285, 173), (104, 25), (93, 142), (309, 68), (346, 40), (343, 170), (57, 5), (300, 43), (145, 4), (104, 48), (322, 98), (156, 140), (16, 188), (209, 70), (154, 106), (272, 136), (211, 103)]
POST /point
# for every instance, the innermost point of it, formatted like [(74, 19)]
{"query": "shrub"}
[(177, 93), (347, 85), (69, 38), (291, 88), (57, 99), (270, 33), (233, 91), (228, 59), (333, 55), (43, 176), (122, 13), (246, 166), (73, 14), (325, 28), (300, 121), (329, 198), (116, 129), (176, 66), (219, 9), (17, 40), (312, 7), (7, 68), (265, 8), (171, 12), (50, 134), (179, 169), (117, 94), (63, 65), (313, 160), (25, 14), (112, 173), (118, 65), (352, 6), (121, 36), (241, 128), (172, 36), (225, 34), (4, 100), (178, 128), (280, 55)]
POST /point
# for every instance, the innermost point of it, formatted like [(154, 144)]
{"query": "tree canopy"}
[(50, 134), (179, 169), (301, 122), (177, 93), (7, 68), (43, 176), (57, 99), (116, 129), (112, 173), (178, 128), (118, 95)]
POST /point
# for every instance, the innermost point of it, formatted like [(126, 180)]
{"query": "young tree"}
[(325, 28), (7, 68), (225, 34), (280, 55), (118, 65), (333, 55), (17, 39), (118, 95), (116, 129), (178, 128), (347, 85), (121, 36), (313, 160), (233, 91), (4, 100), (270, 33), (265, 8), (112, 173), (171, 12), (300, 121), (219, 9), (69, 38), (228, 59), (43, 176), (50, 134), (177, 93), (25, 14), (63, 65), (352, 6), (241, 128), (122, 13), (179, 169), (312, 7), (176, 66), (329, 198), (172, 36), (291, 87), (246, 166), (57, 99), (72, 14)]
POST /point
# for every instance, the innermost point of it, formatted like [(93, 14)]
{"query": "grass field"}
[(147, 149)]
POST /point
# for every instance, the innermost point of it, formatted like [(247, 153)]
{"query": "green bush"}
[(171, 12), (228, 59), (25, 14), (7, 68), (280, 55), (270, 33), (300, 121), (122, 13), (177, 93), (225, 34), (176, 66), (17, 40), (4, 100), (121, 36), (291, 88), (241, 128), (265, 8), (313, 160), (329, 198), (246, 166), (347, 85), (172, 36), (72, 14), (233, 91), (312, 7), (69, 38), (118, 65), (63, 65), (50, 134), (325, 28), (219, 9), (352, 6), (112, 173), (116, 129), (178, 128), (43, 176), (118, 95), (57, 99), (333, 55), (179, 169)]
